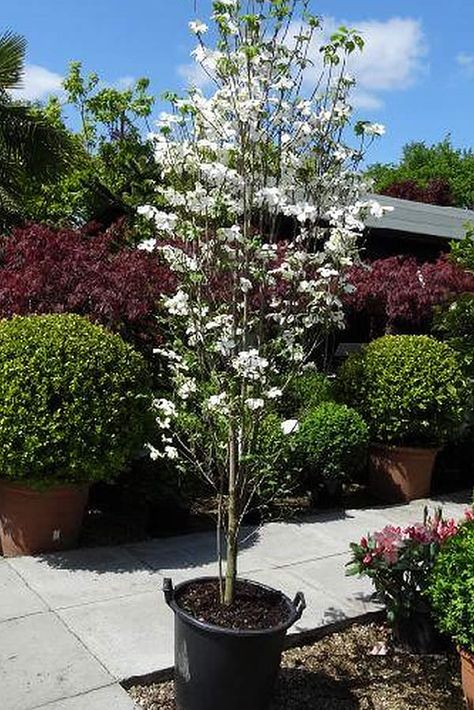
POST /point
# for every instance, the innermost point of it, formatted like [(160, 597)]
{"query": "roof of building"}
[(420, 218)]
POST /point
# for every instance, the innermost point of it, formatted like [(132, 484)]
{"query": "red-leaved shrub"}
[(436, 192), (43, 270), (399, 294)]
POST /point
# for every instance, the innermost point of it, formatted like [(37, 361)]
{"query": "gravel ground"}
[(339, 672)]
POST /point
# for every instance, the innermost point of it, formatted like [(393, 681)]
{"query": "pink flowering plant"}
[(399, 561)]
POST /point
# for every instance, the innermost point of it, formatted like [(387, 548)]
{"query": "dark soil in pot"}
[(254, 607)]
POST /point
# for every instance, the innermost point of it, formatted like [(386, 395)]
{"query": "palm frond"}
[(12, 57), (26, 136)]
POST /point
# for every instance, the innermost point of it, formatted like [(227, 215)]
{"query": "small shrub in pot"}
[(411, 391), (331, 446), (451, 593), (74, 404)]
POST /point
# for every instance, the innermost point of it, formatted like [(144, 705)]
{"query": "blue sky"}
[(416, 76)]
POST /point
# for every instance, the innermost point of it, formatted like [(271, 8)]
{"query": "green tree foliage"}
[(114, 170), (422, 163), (32, 148)]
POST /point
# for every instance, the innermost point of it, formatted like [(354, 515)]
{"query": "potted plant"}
[(399, 562), (331, 447), (411, 391), (251, 304), (451, 593), (74, 405)]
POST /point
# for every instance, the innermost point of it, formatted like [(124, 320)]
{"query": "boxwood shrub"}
[(332, 443), (305, 392), (74, 400), (451, 590), (410, 389)]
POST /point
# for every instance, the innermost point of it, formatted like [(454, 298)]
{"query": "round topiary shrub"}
[(310, 389), (74, 400), (410, 389), (451, 589), (332, 443)]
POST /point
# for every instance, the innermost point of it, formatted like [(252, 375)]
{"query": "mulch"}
[(341, 672)]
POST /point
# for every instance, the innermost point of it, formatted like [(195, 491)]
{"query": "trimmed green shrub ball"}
[(74, 400), (332, 443), (451, 589), (306, 391), (410, 389)]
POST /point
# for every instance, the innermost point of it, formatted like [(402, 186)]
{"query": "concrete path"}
[(73, 625)]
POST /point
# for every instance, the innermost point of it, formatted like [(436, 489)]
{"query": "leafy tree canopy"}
[(113, 169), (422, 164)]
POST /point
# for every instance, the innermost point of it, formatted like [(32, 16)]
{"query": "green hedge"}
[(410, 389), (74, 400)]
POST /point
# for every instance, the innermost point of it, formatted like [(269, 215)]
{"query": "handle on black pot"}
[(168, 590), (299, 603)]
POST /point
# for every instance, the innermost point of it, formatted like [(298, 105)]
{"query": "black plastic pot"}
[(226, 669), (418, 633)]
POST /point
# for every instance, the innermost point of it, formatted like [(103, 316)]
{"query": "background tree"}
[(114, 170), (31, 147), (438, 173)]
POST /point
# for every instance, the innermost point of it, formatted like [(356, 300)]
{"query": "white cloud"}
[(194, 74), (466, 62), (124, 82), (37, 83), (392, 60)]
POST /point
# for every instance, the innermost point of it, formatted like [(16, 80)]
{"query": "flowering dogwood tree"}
[(264, 138)]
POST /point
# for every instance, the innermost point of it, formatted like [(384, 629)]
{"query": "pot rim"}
[(295, 608), (24, 488), (464, 653), (414, 449)]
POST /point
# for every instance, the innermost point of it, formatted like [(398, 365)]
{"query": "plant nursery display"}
[(399, 561), (412, 392), (248, 313), (451, 593), (74, 409)]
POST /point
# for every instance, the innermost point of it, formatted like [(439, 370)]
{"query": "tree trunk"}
[(232, 521)]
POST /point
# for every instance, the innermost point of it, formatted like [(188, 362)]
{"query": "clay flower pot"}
[(467, 673), (33, 521), (400, 473)]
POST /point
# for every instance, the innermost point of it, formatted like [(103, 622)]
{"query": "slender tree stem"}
[(232, 520)]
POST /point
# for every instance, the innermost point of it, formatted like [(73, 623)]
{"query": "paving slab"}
[(355, 594), (16, 598), (322, 609), (112, 697), (85, 575), (41, 662), (328, 534), (130, 636), (175, 553)]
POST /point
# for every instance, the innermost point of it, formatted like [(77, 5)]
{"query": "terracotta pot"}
[(400, 473), (34, 521), (467, 673)]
